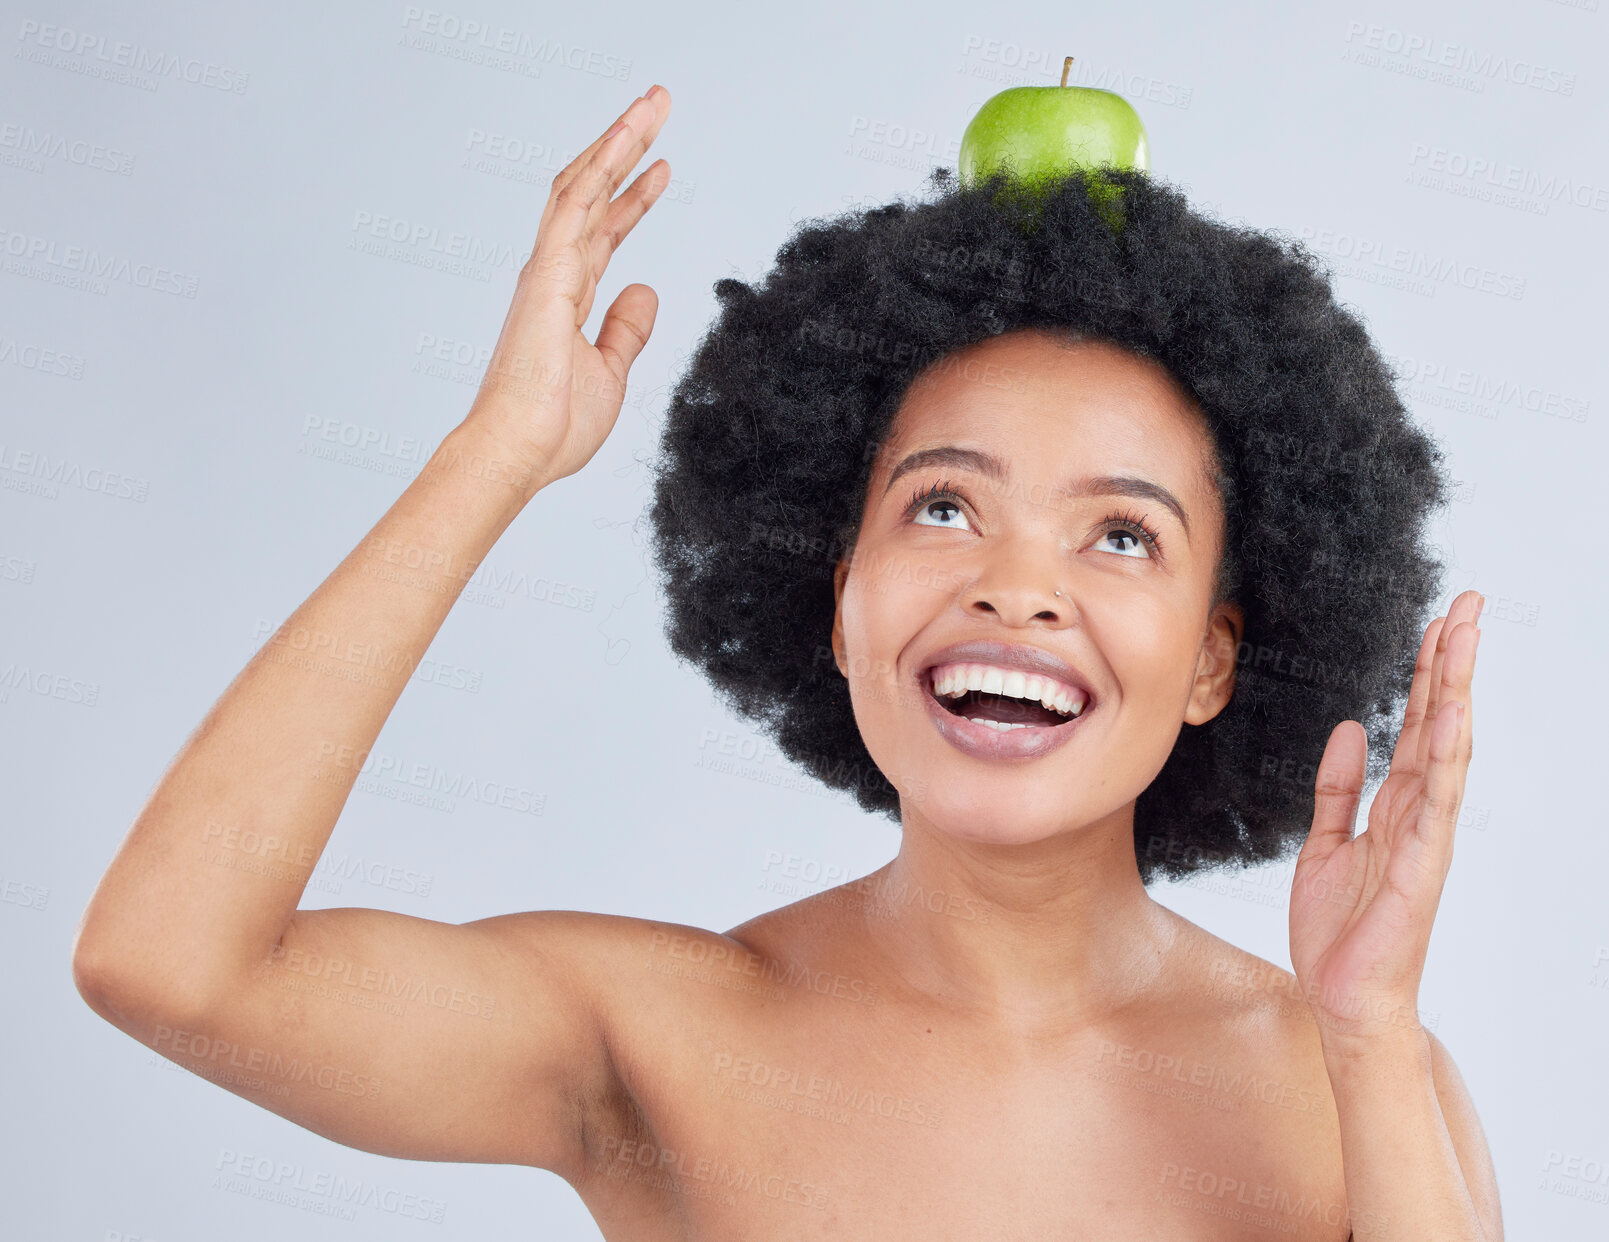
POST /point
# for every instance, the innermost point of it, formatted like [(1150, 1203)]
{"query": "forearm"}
[(216, 862), (1403, 1180)]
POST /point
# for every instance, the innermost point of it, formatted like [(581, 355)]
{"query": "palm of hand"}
[(550, 396), (1362, 907)]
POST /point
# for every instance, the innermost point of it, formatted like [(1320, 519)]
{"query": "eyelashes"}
[(1121, 519), (939, 491), (1136, 526)]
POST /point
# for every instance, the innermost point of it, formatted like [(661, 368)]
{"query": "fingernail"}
[(653, 91), (1480, 607)]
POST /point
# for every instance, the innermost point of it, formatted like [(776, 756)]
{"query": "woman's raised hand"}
[(549, 397), (1362, 907)]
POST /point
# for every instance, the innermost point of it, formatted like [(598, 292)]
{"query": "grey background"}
[(229, 406)]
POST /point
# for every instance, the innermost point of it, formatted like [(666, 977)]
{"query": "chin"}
[(1011, 807)]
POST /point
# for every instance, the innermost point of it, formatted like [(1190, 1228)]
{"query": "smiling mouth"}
[(1002, 712)]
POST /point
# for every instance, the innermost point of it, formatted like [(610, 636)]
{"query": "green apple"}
[(1037, 133)]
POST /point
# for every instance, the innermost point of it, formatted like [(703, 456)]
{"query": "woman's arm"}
[(385, 1032), (1362, 907), (1415, 1158)]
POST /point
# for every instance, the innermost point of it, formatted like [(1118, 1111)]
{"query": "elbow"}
[(130, 998), (103, 977), (95, 977), (100, 969)]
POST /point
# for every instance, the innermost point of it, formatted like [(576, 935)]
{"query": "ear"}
[(1215, 666), (840, 655)]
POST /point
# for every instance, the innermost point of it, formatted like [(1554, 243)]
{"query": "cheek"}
[(869, 632), (1152, 654), (882, 614), (887, 601)]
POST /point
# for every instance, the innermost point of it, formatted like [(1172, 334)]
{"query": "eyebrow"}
[(992, 467)]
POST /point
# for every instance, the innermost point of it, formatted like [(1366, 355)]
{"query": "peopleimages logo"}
[(1437, 56), (1498, 174), (80, 266), (508, 42), (432, 241), (31, 147), (249, 1169), (1477, 392), (1010, 63), (94, 55), (1407, 267)]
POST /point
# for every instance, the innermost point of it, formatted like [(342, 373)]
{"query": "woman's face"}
[(1004, 446)]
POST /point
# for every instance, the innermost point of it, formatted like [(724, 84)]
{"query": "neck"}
[(1058, 932)]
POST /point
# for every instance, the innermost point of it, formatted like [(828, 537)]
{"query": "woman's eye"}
[(1137, 545), (943, 513)]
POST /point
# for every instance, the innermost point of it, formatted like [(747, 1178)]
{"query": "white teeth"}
[(1001, 725), (954, 680)]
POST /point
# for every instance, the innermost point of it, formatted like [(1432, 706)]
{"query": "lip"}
[(1009, 655), (982, 742)]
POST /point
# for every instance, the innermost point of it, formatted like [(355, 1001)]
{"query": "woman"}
[(982, 565)]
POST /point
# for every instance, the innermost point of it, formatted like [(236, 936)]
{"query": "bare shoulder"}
[(1255, 1003), (616, 961), (667, 997), (642, 983), (1468, 1136), (639, 974), (1266, 1005), (581, 935), (808, 926), (1238, 984)]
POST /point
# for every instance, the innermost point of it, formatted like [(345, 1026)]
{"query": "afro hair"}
[(1326, 483)]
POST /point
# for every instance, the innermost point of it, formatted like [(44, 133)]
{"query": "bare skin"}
[(1000, 1034)]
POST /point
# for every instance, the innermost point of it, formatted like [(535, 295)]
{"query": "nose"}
[(1018, 588)]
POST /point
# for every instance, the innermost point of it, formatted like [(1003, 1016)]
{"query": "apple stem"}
[(1065, 66)]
